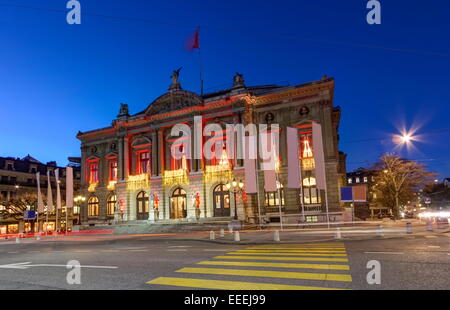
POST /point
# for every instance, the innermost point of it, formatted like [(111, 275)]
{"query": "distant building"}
[(372, 208), (18, 182)]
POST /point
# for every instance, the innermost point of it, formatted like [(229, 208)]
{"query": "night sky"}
[(56, 79)]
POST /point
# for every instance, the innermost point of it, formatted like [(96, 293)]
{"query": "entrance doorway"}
[(221, 199), (178, 204), (142, 206)]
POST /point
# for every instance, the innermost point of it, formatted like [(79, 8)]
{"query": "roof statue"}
[(123, 112), (175, 82), (238, 80)]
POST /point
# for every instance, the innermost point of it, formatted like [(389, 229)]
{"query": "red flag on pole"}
[(194, 41)]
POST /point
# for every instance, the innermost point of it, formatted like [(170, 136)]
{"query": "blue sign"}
[(346, 194), (29, 215)]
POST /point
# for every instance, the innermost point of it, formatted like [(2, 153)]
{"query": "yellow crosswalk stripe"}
[(287, 254), (293, 251), (277, 265), (229, 285), (269, 274), (317, 259), (430, 236)]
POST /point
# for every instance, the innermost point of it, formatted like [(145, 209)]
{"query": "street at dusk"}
[(186, 261), (225, 153)]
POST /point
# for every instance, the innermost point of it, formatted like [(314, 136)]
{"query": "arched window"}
[(93, 206), (178, 204), (142, 206), (272, 198), (311, 195), (111, 204)]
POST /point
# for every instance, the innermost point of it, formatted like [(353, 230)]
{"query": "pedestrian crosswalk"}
[(309, 266)]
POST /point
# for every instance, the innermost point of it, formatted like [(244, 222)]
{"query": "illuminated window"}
[(93, 206), (306, 148), (181, 163), (144, 162), (272, 198), (350, 180), (93, 172), (311, 195), (365, 179), (357, 180), (111, 204), (113, 170)]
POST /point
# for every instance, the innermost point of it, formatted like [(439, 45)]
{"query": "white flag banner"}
[(58, 190), (40, 202), (69, 187), (49, 194), (294, 176), (319, 157)]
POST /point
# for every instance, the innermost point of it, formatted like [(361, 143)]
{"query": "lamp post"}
[(79, 199), (235, 187)]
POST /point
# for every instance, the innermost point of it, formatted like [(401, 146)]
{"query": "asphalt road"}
[(408, 262)]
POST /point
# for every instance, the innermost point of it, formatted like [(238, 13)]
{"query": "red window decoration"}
[(181, 163), (93, 173), (144, 163), (306, 150), (113, 171)]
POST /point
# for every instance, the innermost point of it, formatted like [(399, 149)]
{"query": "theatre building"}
[(129, 175)]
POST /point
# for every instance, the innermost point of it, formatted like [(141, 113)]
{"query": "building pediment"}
[(173, 101)]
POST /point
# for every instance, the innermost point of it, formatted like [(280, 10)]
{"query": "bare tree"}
[(398, 179)]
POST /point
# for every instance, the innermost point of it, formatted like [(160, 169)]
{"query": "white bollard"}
[(338, 234), (237, 237), (276, 236), (408, 228), (212, 235), (380, 231), (222, 233), (429, 226), (17, 240)]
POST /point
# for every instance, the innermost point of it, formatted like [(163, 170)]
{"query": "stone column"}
[(126, 157), (161, 161), (154, 157), (121, 166)]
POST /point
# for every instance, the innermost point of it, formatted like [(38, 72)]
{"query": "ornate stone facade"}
[(128, 165)]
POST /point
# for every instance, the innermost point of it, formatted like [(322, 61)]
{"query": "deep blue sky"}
[(56, 79)]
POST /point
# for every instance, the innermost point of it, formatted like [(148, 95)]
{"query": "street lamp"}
[(79, 199), (235, 187)]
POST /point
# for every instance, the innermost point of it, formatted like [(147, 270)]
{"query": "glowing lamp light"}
[(228, 186), (234, 183), (241, 184)]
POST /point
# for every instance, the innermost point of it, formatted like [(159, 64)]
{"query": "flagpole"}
[(201, 71), (200, 61), (257, 193)]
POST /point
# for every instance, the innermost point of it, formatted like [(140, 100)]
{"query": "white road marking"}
[(180, 246), (109, 251), (34, 252), (27, 265), (177, 250), (13, 252), (82, 251), (398, 253), (138, 250)]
